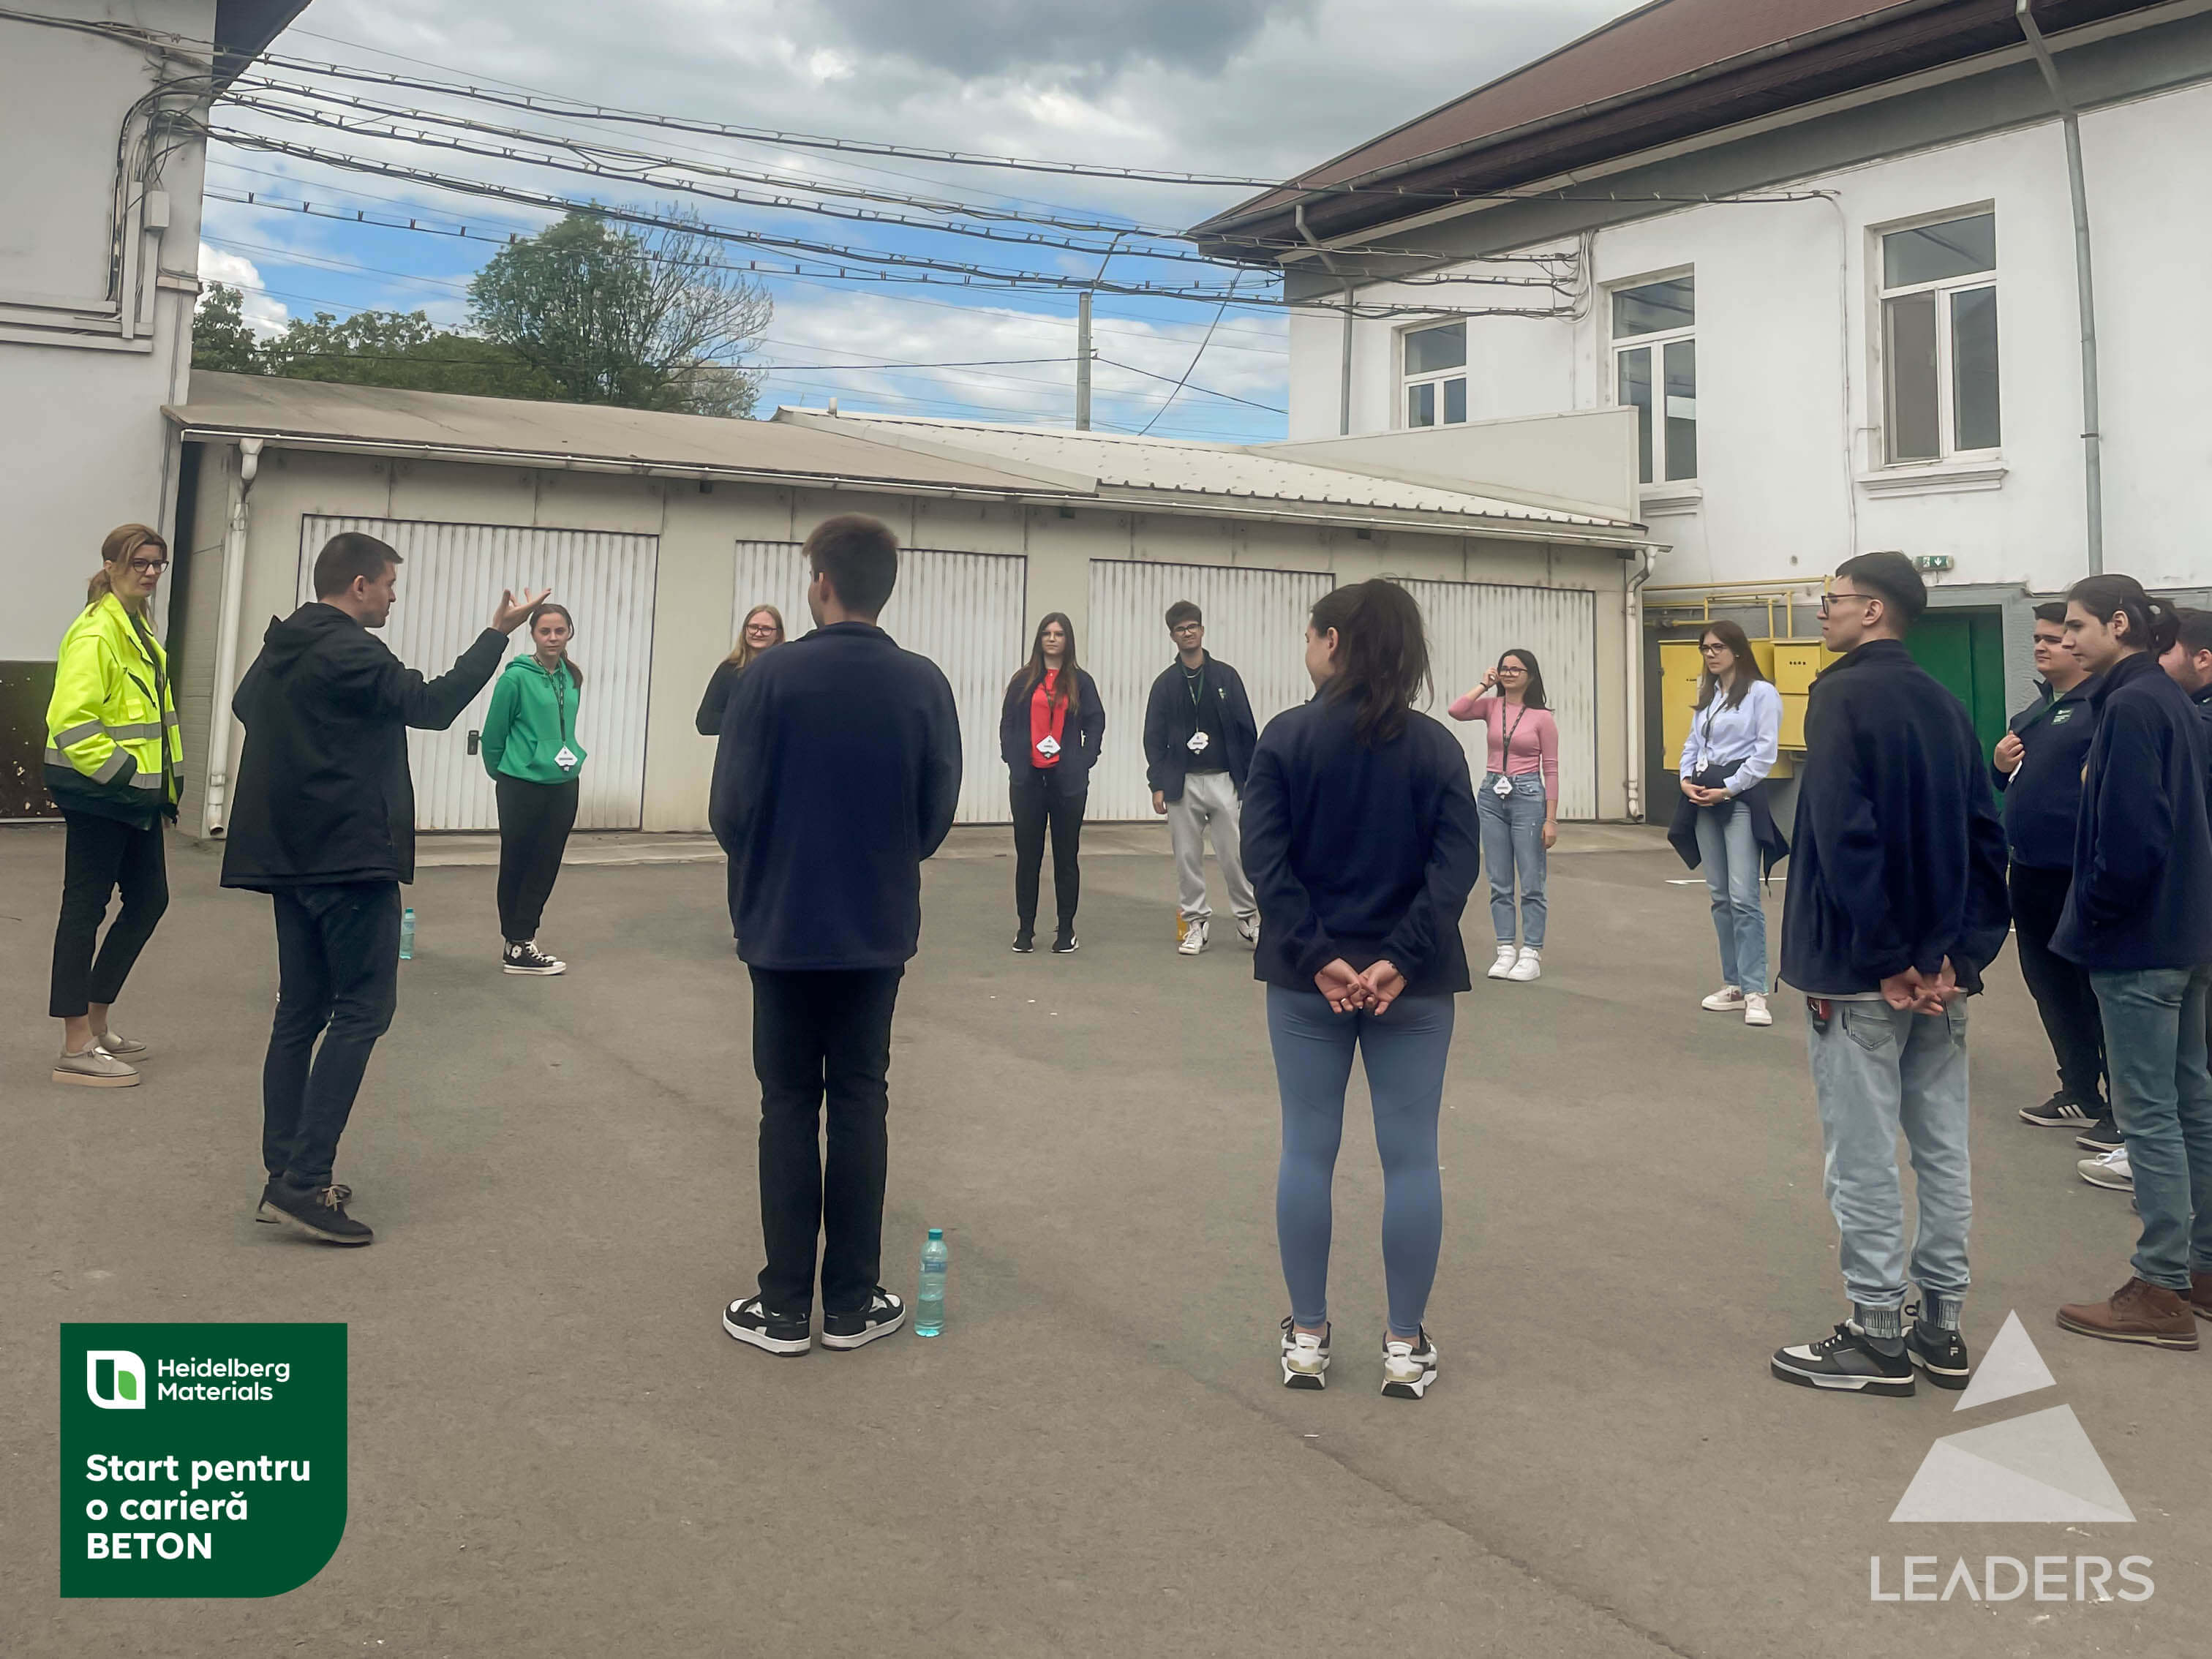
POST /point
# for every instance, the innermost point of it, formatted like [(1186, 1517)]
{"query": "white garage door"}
[(961, 610), (1469, 623), (1255, 622), (448, 585)]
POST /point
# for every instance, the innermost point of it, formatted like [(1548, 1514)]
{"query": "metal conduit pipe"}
[(213, 811), (2085, 294), (1632, 614), (1344, 366)]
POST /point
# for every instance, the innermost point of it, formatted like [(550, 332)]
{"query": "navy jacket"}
[(1071, 774), (1169, 721), (1900, 859), (1359, 852), (2043, 794), (838, 772), (2143, 852)]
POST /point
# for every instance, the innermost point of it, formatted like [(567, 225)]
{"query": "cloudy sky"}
[(1247, 88)]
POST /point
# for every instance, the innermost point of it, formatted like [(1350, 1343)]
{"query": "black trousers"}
[(816, 1034), (2061, 989), (1039, 801), (534, 822), (337, 975), (101, 855)]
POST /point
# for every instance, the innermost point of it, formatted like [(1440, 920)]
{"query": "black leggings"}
[(534, 822), (1038, 801), (103, 854)]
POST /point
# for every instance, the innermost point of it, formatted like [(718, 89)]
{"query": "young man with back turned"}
[(1198, 737), (838, 773), (1896, 904), (324, 821)]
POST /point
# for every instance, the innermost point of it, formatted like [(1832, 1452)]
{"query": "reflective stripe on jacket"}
[(113, 745)]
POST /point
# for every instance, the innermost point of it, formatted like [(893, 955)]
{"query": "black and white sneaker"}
[(2102, 1136), (1025, 941), (2061, 1111), (1846, 1360), (748, 1322), (1940, 1353), (1305, 1356), (522, 957), (885, 1313), (1063, 941), (1408, 1368)]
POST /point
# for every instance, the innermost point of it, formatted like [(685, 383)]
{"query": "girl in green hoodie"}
[(530, 748)]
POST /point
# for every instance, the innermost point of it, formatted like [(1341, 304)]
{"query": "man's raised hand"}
[(511, 612)]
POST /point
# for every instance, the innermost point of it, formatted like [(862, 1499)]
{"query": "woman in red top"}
[(1048, 735)]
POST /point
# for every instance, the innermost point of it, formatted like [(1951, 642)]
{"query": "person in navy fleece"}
[(1359, 835), (1896, 903), (838, 773), (2140, 920)]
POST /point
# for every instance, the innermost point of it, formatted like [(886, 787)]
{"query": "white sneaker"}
[(1408, 1368), (1754, 1010), (1727, 999), (1192, 941), (1506, 956), (1530, 965), (1248, 928), (1305, 1357), (2110, 1171)]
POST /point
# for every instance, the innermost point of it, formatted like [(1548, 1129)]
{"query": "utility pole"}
[(1083, 360)]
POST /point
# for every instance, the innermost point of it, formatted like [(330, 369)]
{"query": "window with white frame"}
[(1436, 374), (1939, 331), (1655, 362)]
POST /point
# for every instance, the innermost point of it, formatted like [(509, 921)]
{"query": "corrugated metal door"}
[(1469, 623), (448, 585), (1255, 622), (964, 611)]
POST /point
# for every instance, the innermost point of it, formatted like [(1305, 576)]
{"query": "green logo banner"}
[(201, 1460)]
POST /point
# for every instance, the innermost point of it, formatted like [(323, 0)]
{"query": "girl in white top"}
[(1734, 739)]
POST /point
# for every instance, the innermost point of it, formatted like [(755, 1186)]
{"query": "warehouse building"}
[(659, 531)]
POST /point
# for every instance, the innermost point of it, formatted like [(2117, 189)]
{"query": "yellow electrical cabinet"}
[(1796, 663)]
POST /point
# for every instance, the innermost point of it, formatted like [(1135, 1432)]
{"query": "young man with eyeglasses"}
[(2039, 772), (1198, 737), (1896, 903)]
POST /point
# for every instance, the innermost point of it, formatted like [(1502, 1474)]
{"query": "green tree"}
[(220, 338), (649, 321), (404, 349)]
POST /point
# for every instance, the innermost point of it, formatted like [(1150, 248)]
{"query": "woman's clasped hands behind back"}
[(1350, 990)]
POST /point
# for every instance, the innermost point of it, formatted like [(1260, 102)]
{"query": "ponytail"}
[(1382, 656), (2154, 623)]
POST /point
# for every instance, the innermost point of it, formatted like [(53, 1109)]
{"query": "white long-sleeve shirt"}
[(1750, 732)]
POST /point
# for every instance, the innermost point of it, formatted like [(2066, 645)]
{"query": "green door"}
[(1964, 649)]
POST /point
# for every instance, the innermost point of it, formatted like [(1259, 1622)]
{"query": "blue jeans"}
[(1876, 1071), (2154, 1046), (1513, 846), (1405, 1050), (1729, 849)]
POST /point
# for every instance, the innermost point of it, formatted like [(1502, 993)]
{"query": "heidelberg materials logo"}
[(116, 1379)]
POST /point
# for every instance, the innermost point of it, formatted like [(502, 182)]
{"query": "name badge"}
[(1503, 787), (566, 758), (1050, 746), (1198, 742)]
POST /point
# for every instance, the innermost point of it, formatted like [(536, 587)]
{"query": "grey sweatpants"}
[(1209, 799)]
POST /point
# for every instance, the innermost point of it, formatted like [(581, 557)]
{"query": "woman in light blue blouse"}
[(1723, 820)]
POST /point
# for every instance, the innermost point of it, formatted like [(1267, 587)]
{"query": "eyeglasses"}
[(1514, 673), (1186, 628), (1827, 599), (149, 567), (1712, 646)]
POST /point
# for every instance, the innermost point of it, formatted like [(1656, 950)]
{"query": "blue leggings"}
[(1404, 1051)]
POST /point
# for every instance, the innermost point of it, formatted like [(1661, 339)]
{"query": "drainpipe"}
[(1344, 375), (214, 814), (1632, 614), (2093, 470)]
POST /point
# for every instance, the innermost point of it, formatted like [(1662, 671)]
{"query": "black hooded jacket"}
[(324, 793)]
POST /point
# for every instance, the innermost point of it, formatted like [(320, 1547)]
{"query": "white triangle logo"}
[(2037, 1468), (2011, 1367)]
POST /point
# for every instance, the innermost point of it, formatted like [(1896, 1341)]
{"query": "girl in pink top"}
[(1517, 804)]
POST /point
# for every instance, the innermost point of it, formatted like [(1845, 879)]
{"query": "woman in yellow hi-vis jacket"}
[(114, 766)]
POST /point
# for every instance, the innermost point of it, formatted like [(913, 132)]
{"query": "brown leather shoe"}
[(2200, 1294), (2138, 1312)]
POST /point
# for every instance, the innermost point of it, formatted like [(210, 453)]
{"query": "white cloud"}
[(263, 314)]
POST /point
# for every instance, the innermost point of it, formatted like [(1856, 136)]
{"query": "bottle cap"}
[(937, 1234)]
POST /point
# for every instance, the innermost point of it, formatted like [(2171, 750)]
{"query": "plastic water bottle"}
[(929, 1305), (407, 934)]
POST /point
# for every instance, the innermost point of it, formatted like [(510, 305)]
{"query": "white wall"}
[(84, 444), (1786, 312)]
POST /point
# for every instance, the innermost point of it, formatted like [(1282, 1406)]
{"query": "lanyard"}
[(1191, 682), (1506, 757)]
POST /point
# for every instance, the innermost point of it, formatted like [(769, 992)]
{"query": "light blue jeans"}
[(1729, 849), (2155, 1044), (1513, 846), (1876, 1071), (1405, 1050)]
